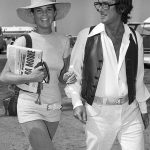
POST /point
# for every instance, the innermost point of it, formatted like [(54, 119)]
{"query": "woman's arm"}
[(9, 77)]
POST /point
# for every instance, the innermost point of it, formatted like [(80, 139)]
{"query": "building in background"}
[(16, 31)]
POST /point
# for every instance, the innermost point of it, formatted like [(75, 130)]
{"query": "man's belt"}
[(110, 101)]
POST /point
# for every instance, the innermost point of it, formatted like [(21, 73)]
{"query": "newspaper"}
[(22, 61)]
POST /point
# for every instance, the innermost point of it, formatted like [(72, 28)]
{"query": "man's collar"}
[(97, 29), (101, 28)]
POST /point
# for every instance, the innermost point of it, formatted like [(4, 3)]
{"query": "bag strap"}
[(28, 45), (28, 40)]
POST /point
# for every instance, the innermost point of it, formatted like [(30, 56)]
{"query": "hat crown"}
[(37, 2)]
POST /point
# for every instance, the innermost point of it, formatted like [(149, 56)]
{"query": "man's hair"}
[(124, 8)]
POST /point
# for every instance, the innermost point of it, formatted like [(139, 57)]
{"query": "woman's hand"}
[(38, 74), (69, 77)]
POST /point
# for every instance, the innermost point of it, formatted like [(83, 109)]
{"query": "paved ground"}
[(69, 136)]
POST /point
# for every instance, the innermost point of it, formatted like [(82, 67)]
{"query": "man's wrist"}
[(79, 104)]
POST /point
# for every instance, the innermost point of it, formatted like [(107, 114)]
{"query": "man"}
[(109, 95)]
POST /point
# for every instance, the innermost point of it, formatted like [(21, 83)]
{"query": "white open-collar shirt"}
[(112, 82)]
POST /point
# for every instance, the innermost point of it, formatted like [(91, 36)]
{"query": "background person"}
[(39, 122), (110, 95)]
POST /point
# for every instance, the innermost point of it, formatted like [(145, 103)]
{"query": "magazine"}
[(22, 60)]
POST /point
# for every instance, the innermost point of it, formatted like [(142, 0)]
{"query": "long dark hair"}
[(124, 8)]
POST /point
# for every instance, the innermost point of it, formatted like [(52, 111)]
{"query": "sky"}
[(8, 16), (81, 15)]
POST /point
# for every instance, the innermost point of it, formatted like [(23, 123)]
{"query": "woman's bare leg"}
[(40, 134)]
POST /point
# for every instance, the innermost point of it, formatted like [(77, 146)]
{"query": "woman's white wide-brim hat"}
[(25, 14)]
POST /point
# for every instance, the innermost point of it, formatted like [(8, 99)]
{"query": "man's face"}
[(107, 11)]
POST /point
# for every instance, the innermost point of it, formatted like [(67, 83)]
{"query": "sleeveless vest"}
[(93, 62)]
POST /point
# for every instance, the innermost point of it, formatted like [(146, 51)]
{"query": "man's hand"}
[(145, 118), (80, 113)]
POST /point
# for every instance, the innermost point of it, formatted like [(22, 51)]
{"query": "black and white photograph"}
[(74, 75)]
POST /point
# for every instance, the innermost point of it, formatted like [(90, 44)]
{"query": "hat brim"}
[(24, 13)]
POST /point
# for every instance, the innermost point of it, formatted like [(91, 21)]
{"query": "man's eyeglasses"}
[(103, 5)]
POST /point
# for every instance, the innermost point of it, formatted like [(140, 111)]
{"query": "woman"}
[(40, 121)]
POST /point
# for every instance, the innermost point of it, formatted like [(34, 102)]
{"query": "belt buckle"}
[(118, 101), (53, 107)]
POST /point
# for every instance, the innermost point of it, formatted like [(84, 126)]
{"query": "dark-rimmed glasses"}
[(103, 5)]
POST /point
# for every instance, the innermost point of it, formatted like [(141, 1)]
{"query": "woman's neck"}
[(43, 31)]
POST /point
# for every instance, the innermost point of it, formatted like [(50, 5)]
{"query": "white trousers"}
[(106, 122)]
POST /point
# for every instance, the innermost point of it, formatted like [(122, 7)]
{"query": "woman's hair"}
[(124, 8), (32, 9)]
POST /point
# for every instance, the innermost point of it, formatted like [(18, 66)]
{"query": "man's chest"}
[(116, 41)]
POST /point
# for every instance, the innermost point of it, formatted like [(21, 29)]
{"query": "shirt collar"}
[(127, 30), (101, 28), (97, 29)]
